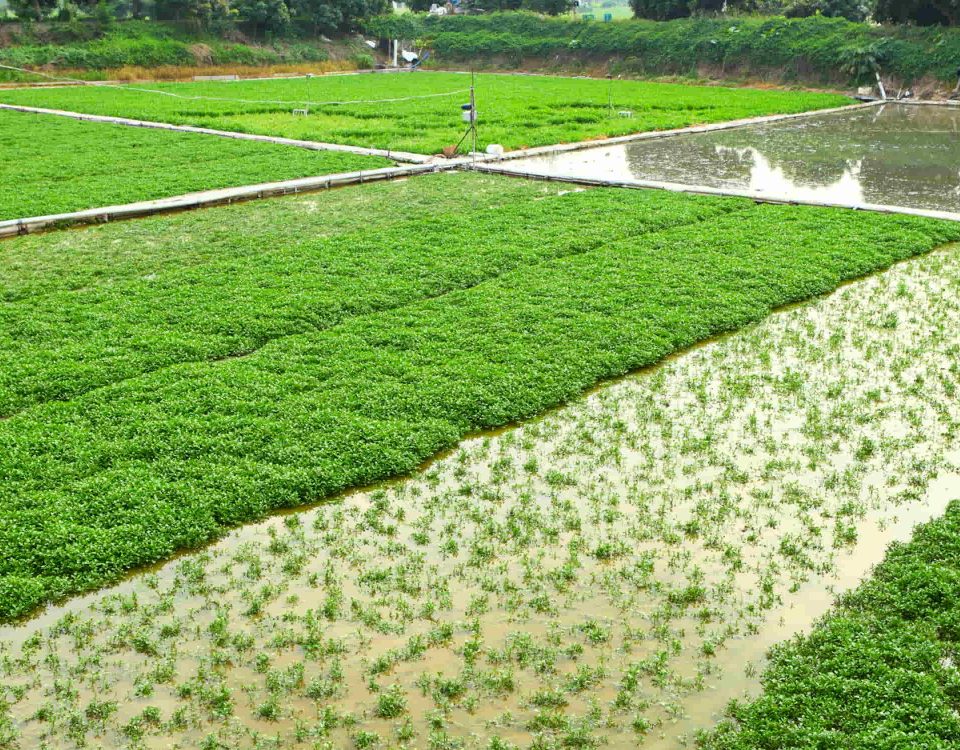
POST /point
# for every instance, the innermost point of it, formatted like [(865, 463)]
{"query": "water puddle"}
[(611, 574), (893, 154)]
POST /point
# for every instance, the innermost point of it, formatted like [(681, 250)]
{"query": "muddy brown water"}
[(611, 573), (894, 154)]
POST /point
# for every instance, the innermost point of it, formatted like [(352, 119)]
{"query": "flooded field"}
[(611, 574), (892, 154)]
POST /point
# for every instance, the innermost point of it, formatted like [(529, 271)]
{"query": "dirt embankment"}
[(800, 78)]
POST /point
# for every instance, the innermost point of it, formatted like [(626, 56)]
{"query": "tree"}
[(549, 7), (203, 11), (334, 15), (660, 10), (760, 7), (852, 10), (263, 16), (667, 10), (920, 12), (491, 5), (32, 9)]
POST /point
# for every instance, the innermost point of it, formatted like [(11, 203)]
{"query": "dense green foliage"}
[(668, 10), (815, 48), (852, 10), (67, 165), (261, 17), (513, 110), (550, 7), (138, 43), (355, 379), (879, 672)]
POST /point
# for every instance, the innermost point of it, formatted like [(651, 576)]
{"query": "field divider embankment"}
[(218, 197), (403, 156), (706, 190), (654, 134)]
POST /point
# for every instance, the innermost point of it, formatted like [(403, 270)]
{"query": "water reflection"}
[(895, 154), (763, 176)]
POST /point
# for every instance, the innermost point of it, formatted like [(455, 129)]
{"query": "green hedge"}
[(827, 49)]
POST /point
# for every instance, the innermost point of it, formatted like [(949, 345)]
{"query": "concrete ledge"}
[(704, 190), (403, 156), (651, 134), (223, 196)]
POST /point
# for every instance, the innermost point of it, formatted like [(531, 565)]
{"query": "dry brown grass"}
[(131, 73), (187, 72)]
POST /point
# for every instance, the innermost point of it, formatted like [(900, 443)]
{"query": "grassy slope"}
[(66, 165), (816, 49), (514, 111), (141, 44), (127, 473), (878, 673)]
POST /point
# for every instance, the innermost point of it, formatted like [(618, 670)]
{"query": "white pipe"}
[(883, 91), (652, 134), (206, 198), (311, 145), (705, 190)]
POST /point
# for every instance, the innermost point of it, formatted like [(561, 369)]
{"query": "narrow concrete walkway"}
[(705, 190), (218, 197), (404, 156)]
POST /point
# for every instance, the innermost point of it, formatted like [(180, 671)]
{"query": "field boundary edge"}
[(403, 156)]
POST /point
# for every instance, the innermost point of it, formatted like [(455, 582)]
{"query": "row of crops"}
[(63, 165), (420, 112)]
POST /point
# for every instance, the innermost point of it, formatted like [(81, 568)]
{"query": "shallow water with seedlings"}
[(904, 155), (610, 574)]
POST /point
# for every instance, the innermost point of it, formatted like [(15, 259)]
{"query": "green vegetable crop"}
[(349, 380), (514, 111), (59, 165)]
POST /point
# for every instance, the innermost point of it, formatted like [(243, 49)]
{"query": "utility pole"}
[(470, 117), (473, 112)]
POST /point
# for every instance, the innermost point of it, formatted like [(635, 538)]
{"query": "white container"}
[(495, 149)]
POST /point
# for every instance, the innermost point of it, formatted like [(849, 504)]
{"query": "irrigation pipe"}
[(222, 196), (705, 190), (310, 145), (652, 134)]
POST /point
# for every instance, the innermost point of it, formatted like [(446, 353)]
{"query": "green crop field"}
[(165, 379), (63, 165), (514, 111)]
